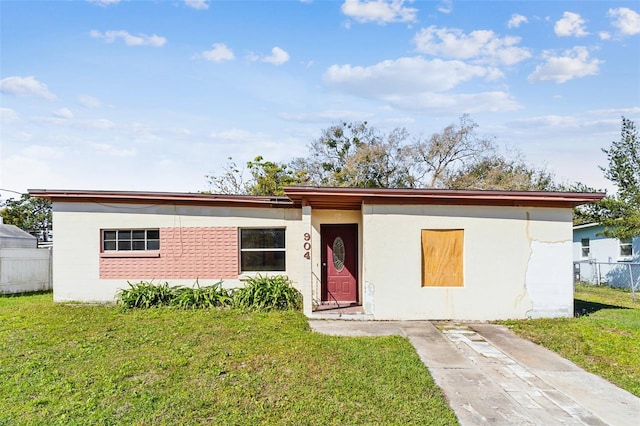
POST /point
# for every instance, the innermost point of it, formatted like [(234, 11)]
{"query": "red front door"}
[(339, 263)]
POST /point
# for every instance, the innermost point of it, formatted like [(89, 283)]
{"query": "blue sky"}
[(154, 95)]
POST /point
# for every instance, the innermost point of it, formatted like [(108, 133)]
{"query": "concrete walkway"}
[(491, 376)]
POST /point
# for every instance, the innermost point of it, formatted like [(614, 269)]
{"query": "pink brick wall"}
[(185, 253)]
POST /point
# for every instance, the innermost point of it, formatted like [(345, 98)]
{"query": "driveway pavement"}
[(491, 376)]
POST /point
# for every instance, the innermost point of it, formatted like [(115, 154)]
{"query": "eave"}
[(332, 198), (354, 198), (173, 198)]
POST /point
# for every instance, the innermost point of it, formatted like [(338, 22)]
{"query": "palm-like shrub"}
[(145, 294), (264, 293), (197, 297), (259, 293)]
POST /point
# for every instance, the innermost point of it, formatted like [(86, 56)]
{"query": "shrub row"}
[(259, 293)]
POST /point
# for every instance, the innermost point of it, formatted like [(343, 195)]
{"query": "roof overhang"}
[(180, 198), (332, 198), (587, 225), (354, 198)]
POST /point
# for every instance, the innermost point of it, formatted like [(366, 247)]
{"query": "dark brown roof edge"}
[(325, 196), (158, 197), (329, 197)]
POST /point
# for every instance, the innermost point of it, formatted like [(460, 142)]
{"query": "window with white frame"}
[(262, 249), (130, 239), (585, 245), (626, 248)]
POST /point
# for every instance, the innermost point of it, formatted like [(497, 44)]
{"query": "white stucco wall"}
[(76, 256), (517, 262)]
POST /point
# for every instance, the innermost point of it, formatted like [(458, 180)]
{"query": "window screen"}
[(130, 239)]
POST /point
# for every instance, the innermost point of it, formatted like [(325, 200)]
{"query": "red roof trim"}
[(139, 197), (319, 197), (334, 198)]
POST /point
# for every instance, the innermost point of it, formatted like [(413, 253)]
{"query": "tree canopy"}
[(620, 213), (32, 214), (266, 178), (354, 154)]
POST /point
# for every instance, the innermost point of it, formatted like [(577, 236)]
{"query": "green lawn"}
[(604, 339), (100, 365)]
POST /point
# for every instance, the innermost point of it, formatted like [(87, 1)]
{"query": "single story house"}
[(605, 260), (380, 254)]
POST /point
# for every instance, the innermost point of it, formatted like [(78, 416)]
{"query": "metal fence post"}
[(631, 283)]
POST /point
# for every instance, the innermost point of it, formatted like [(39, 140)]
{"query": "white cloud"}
[(25, 86), (129, 39), (379, 11), (517, 20), (89, 101), (454, 103), (96, 124), (113, 151), (417, 83), (278, 56), (326, 116), (445, 6), (103, 3), (616, 112), (627, 21), (197, 4), (219, 53), (547, 121), (574, 63), (63, 113), (21, 172), (43, 152), (571, 24), (404, 75), (233, 135), (604, 35), (92, 124), (7, 116), (483, 45)]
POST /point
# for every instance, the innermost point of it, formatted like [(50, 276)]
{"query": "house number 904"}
[(307, 245)]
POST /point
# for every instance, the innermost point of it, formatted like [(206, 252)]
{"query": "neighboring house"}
[(12, 237), (353, 253), (23, 267), (604, 260)]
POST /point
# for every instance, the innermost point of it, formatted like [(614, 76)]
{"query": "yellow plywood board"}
[(442, 257)]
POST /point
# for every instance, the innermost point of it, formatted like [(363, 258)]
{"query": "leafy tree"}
[(498, 172), (383, 163), (620, 214), (585, 213), (266, 178), (357, 155), (456, 147), (230, 181), (32, 214)]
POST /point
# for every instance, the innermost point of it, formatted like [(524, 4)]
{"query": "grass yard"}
[(604, 339), (100, 365)]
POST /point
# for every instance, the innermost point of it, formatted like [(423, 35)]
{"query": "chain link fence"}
[(625, 275)]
